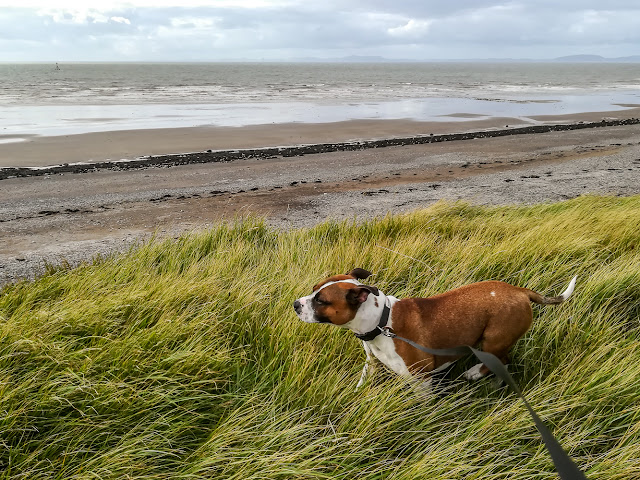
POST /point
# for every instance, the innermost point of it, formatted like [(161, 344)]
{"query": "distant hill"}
[(597, 58), (364, 58), (353, 59), (580, 58), (586, 58)]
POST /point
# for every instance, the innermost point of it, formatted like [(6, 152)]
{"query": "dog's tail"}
[(537, 298)]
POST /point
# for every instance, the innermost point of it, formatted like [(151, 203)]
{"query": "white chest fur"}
[(383, 348)]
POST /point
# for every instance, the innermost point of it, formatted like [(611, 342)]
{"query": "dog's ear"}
[(359, 295), (359, 273)]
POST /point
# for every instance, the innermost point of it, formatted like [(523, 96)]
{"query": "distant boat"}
[(57, 66)]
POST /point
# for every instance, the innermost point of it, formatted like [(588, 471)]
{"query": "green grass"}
[(184, 360)]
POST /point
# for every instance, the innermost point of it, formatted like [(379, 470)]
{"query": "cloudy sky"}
[(198, 30)]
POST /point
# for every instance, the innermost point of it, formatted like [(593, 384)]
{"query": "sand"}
[(73, 217), (129, 144)]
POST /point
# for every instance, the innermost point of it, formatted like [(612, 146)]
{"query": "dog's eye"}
[(319, 301)]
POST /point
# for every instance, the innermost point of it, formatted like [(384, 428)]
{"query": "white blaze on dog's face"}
[(335, 300)]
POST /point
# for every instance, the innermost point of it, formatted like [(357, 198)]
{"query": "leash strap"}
[(564, 465)]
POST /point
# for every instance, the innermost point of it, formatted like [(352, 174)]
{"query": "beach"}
[(66, 218), (97, 157)]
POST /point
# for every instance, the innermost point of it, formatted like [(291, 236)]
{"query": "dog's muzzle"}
[(297, 306), (305, 312)]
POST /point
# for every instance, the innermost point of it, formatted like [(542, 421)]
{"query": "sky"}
[(272, 30)]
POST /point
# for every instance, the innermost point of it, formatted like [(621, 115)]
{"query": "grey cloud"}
[(407, 29)]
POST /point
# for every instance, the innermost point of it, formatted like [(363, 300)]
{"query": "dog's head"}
[(336, 299)]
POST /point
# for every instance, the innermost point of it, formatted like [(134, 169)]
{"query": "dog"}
[(492, 314)]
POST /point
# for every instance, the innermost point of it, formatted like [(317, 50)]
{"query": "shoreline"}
[(119, 145)]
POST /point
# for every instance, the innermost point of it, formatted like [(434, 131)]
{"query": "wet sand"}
[(70, 218), (130, 144), (37, 151)]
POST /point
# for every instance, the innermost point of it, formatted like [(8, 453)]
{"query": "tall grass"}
[(183, 359)]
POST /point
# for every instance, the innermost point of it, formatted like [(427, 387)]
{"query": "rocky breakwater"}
[(211, 156)]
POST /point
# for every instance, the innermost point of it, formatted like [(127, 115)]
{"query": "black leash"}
[(564, 465)]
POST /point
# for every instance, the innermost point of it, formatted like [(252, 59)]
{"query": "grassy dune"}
[(183, 359)]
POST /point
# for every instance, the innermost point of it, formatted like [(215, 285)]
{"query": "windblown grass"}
[(184, 360)]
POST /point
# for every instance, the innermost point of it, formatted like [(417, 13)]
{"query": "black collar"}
[(384, 318)]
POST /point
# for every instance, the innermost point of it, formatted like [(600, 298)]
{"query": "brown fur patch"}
[(332, 304)]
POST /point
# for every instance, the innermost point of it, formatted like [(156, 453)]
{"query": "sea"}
[(72, 98)]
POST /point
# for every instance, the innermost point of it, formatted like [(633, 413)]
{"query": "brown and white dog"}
[(491, 314)]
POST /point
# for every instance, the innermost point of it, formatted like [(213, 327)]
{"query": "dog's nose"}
[(297, 306)]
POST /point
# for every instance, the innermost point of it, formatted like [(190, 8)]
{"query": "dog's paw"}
[(474, 373)]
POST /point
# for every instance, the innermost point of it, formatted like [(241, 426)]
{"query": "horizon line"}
[(351, 59)]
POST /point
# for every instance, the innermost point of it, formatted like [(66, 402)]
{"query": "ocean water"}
[(38, 99)]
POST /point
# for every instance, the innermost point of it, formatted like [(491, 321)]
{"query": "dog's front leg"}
[(367, 365)]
